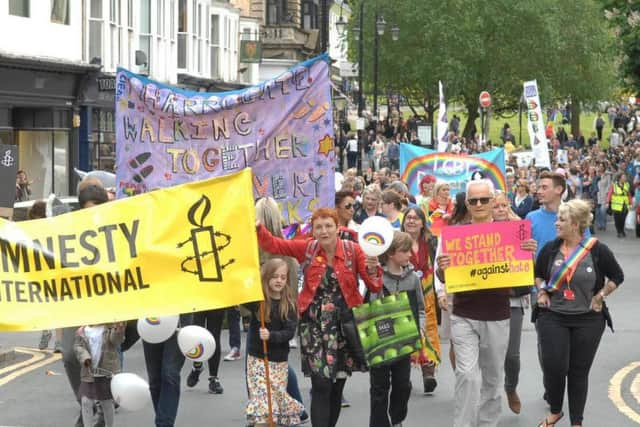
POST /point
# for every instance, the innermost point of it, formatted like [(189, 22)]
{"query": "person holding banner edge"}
[(330, 267), (479, 328), (574, 276)]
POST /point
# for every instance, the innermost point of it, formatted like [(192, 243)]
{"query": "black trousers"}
[(568, 345), (212, 320), (352, 158), (394, 405), (618, 219), (326, 401)]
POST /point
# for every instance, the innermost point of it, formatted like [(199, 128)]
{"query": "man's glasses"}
[(483, 200), (348, 206)]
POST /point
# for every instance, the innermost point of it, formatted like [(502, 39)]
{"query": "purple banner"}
[(282, 129)]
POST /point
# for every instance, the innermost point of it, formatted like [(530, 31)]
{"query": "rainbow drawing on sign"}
[(195, 352), (415, 162), (374, 238), (152, 320)]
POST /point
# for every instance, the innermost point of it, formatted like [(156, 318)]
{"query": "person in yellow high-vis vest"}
[(620, 200)]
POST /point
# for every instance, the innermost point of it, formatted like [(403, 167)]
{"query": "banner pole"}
[(266, 367)]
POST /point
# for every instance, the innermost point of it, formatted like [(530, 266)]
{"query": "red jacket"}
[(317, 266)]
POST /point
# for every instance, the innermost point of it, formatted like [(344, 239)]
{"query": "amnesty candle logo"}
[(205, 249), (119, 260)]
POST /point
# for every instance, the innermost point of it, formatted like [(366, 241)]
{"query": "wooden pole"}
[(266, 368)]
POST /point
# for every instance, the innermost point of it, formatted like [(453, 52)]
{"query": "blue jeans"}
[(164, 362), (601, 216), (233, 319)]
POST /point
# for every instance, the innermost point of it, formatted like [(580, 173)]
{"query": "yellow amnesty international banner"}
[(487, 256), (181, 249)]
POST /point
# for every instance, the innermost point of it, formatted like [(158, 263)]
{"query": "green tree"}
[(474, 45), (624, 18)]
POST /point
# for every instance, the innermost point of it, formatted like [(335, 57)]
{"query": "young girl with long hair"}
[(280, 320)]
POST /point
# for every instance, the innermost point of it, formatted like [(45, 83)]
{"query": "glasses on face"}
[(348, 206), (412, 218), (483, 200)]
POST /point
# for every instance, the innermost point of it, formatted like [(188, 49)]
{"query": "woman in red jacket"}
[(330, 267)]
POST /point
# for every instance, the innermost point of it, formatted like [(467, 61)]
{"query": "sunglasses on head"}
[(483, 200)]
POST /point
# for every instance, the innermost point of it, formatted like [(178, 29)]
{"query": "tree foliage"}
[(624, 18), (474, 45)]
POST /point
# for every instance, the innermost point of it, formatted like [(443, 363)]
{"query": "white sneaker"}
[(234, 354)]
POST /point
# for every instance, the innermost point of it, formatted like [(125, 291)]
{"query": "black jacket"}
[(280, 332)]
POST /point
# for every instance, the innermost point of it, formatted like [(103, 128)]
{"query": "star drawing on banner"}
[(316, 128), (327, 122), (325, 145)]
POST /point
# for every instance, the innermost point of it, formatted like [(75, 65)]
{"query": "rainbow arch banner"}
[(456, 169)]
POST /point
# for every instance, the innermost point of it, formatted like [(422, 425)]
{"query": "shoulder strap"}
[(310, 252)]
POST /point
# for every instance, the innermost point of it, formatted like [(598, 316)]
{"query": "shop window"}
[(103, 140), (19, 8), (60, 12), (182, 34)]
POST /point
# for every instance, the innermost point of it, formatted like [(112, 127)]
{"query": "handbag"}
[(387, 329)]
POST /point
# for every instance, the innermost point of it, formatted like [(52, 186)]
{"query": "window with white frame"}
[(115, 27), (19, 8), (95, 30), (214, 46), (131, 38), (144, 33), (182, 33), (60, 12), (195, 12)]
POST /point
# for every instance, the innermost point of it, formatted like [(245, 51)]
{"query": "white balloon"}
[(196, 343), (375, 235), (130, 391), (155, 330)]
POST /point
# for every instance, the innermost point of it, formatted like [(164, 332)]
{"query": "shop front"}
[(97, 129), (39, 114)]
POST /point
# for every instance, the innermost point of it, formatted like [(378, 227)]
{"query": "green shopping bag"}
[(387, 329)]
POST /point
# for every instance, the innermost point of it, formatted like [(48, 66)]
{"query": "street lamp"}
[(395, 33), (341, 26), (380, 24)]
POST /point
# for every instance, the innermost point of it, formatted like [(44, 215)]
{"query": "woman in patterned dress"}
[(331, 267)]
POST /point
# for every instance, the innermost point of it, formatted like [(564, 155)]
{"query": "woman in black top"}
[(574, 275)]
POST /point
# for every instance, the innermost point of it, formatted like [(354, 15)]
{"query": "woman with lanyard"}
[(422, 254), (574, 276), (331, 267)]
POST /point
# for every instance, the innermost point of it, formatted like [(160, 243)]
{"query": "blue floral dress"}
[(323, 348)]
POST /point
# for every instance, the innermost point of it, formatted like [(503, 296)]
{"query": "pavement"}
[(34, 391)]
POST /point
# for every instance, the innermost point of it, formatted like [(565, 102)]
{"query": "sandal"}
[(546, 423)]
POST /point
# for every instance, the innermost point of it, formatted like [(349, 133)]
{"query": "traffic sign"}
[(485, 99)]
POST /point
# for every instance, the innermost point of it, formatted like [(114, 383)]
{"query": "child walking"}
[(280, 326), (390, 409), (96, 348)]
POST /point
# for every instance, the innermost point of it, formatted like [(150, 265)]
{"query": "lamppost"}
[(358, 35)]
